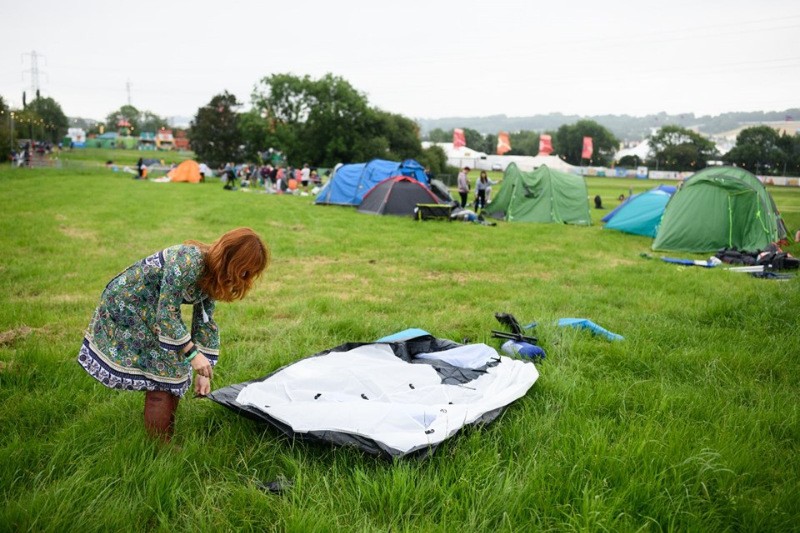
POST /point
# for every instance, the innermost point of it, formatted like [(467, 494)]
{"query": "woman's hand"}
[(202, 366), (202, 386)]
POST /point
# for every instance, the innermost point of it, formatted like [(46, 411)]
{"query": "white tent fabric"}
[(468, 356), (370, 392), (529, 163), (207, 172)]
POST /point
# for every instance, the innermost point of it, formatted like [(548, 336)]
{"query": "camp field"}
[(689, 424)]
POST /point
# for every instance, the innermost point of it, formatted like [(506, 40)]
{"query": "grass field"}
[(690, 424)]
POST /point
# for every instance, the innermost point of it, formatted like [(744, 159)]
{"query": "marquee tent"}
[(385, 398), (188, 171), (720, 207), (543, 195), (398, 195), (640, 214), (349, 183)]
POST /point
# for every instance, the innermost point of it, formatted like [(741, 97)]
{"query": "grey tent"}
[(442, 191), (398, 195)]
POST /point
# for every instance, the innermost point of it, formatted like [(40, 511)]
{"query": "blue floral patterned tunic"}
[(134, 339)]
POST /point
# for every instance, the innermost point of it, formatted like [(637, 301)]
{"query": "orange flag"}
[(503, 143), (458, 138), (545, 145), (587, 148)]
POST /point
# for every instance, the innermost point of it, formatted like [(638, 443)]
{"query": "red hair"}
[(232, 264)]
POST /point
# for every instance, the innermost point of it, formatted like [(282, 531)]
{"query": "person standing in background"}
[(463, 186)]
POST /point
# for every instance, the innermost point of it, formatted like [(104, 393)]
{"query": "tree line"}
[(321, 122), (326, 121), (759, 149)]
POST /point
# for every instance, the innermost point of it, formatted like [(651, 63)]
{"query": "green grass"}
[(690, 424)]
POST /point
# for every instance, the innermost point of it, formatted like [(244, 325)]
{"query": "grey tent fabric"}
[(398, 195)]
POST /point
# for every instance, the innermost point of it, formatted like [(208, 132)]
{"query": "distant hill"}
[(625, 127)]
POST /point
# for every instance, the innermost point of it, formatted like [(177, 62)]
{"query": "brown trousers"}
[(159, 414)]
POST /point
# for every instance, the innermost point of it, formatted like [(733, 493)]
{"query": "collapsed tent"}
[(720, 207), (641, 213), (398, 195), (543, 195), (188, 171), (386, 398), (349, 183)]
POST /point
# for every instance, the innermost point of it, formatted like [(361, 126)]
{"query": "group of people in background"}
[(483, 189), (27, 150), (273, 179)]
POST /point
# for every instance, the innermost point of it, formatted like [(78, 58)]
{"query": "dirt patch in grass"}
[(70, 298), (78, 233), (10, 336)]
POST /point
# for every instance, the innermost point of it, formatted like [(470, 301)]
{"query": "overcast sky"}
[(423, 59)]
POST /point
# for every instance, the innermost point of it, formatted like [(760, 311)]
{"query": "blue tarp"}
[(585, 323), (349, 183), (640, 214)]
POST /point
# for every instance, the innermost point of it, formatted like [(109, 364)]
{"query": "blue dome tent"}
[(640, 214), (349, 183)]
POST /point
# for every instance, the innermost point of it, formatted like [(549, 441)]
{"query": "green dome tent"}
[(720, 207), (543, 195)]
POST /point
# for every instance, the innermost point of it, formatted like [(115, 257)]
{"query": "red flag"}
[(503, 143), (458, 138), (587, 148), (545, 145)]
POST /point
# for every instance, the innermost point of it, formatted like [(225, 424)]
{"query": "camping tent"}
[(398, 195), (386, 398), (188, 171), (720, 207), (349, 183), (440, 190), (640, 214), (543, 195)]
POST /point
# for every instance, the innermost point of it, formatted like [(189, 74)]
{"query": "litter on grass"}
[(585, 323)]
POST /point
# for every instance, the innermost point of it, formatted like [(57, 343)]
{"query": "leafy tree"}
[(127, 112), (676, 148), (401, 134), (434, 159), (438, 135), (54, 122), (568, 142), (323, 121), (28, 124), (490, 143), (6, 141), (630, 161), (149, 121), (758, 149), (790, 144), (474, 139), (256, 134), (214, 131), (524, 143)]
